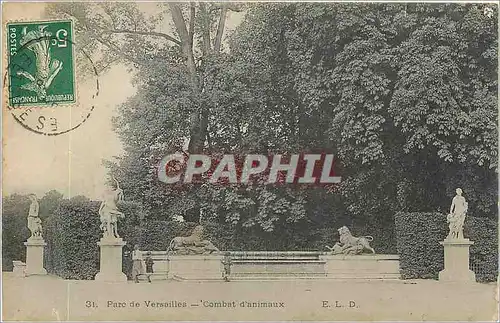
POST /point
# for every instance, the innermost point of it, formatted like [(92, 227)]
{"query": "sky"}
[(70, 163)]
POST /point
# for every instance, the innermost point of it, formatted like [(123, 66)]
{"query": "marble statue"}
[(108, 211), (34, 221), (193, 244), (456, 217), (350, 245)]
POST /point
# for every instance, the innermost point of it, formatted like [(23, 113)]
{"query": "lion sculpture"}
[(350, 245), (193, 244)]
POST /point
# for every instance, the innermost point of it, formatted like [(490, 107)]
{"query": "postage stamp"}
[(40, 81), (221, 161), (41, 63)]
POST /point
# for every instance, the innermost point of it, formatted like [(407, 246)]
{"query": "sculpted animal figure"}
[(193, 244), (350, 245), (336, 249)]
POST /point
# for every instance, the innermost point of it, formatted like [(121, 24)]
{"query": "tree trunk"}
[(196, 132)]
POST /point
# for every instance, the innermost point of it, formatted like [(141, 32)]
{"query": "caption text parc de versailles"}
[(299, 168)]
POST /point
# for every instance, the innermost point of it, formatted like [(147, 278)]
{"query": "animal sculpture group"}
[(350, 245), (192, 245), (196, 245)]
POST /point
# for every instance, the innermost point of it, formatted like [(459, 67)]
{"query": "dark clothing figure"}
[(149, 266), (226, 262)]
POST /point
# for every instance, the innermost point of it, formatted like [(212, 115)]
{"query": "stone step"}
[(277, 261), (278, 274), (361, 277), (199, 278), (264, 278)]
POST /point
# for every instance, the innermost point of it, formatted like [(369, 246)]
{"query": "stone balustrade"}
[(261, 265)]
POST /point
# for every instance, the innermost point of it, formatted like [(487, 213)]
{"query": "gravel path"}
[(46, 298)]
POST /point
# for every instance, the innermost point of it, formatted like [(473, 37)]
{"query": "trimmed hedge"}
[(417, 239), (484, 251), (14, 234), (421, 256), (14, 229), (72, 234)]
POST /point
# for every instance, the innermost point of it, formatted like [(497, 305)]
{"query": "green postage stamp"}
[(41, 63)]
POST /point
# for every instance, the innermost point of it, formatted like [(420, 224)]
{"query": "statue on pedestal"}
[(34, 221), (34, 244), (456, 217), (350, 245), (456, 247), (108, 212)]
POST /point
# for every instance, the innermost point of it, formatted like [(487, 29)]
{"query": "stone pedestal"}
[(34, 256), (111, 260), (195, 267), (19, 269), (456, 261)]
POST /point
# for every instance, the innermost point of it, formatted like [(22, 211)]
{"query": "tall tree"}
[(121, 31), (171, 71), (395, 89)]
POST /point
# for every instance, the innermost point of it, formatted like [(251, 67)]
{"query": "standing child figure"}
[(149, 265), (137, 268), (226, 262)]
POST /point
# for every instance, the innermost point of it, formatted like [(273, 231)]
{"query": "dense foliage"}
[(404, 94), (418, 236), (394, 93)]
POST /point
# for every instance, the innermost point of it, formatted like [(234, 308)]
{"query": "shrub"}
[(72, 234), (421, 256), (14, 229), (418, 236), (14, 234), (484, 251)]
